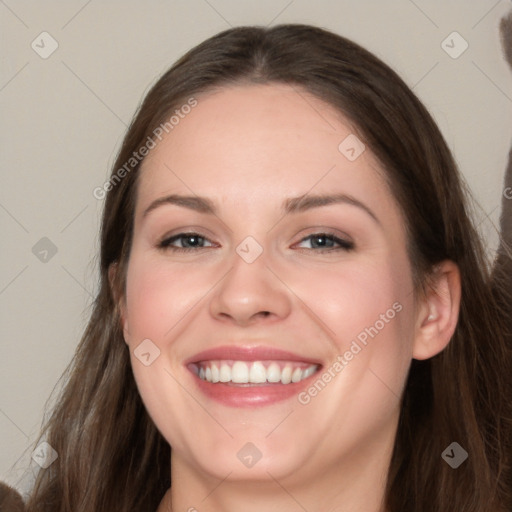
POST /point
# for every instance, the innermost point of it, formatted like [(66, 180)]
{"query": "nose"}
[(250, 293)]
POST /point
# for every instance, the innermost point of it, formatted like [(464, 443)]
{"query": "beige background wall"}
[(63, 118)]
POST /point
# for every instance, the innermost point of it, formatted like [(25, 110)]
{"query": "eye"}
[(326, 242), (323, 242), (188, 241)]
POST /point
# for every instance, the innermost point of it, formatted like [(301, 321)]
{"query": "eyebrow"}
[(290, 205)]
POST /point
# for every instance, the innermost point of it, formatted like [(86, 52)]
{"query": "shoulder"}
[(10, 500)]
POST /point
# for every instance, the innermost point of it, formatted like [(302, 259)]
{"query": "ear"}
[(438, 311), (119, 298)]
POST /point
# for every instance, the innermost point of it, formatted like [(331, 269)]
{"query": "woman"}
[(295, 310)]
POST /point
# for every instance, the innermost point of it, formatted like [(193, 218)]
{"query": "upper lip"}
[(249, 353)]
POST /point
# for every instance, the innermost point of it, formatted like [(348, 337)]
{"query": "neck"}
[(356, 485)]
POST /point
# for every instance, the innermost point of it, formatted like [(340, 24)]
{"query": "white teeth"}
[(308, 372), (239, 373), (286, 375), (258, 374), (225, 373), (243, 372), (215, 373), (273, 373), (297, 375)]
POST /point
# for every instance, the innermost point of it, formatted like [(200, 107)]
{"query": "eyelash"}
[(344, 245)]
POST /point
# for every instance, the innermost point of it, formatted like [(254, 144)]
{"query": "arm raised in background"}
[(502, 272)]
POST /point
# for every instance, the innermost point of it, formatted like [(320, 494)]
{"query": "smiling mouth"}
[(253, 373)]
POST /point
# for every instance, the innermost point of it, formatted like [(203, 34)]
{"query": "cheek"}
[(357, 297), (158, 302), (369, 316), (369, 312), (158, 298)]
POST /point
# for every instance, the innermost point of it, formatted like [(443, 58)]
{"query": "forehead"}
[(258, 143)]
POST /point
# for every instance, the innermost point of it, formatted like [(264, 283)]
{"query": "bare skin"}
[(247, 149)]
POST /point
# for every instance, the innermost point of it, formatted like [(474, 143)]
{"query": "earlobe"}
[(438, 312)]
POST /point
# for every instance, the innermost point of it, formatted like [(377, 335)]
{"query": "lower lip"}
[(236, 395)]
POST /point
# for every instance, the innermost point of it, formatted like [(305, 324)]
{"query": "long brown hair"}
[(111, 456)]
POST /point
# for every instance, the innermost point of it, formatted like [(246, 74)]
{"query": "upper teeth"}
[(241, 372)]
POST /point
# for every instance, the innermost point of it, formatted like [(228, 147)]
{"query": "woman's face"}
[(300, 313)]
